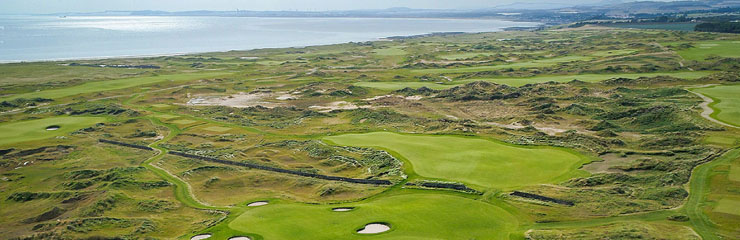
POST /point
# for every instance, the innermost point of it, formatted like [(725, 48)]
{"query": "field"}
[(504, 145), (474, 161), (726, 102), (661, 26), (516, 82), (411, 215), (31, 130), (108, 85)]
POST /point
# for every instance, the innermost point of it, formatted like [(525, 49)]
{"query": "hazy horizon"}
[(60, 6)]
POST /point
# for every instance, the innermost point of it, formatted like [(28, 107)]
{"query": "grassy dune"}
[(411, 215), (726, 102), (108, 85), (528, 64), (473, 160), (16, 132), (528, 80)]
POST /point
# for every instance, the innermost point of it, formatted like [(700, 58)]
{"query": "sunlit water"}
[(30, 38)]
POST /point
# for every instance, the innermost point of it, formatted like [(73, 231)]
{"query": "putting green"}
[(392, 51), (23, 131), (704, 49), (217, 129), (734, 173), (108, 85), (410, 215), (529, 80), (474, 160), (728, 206), (726, 102)]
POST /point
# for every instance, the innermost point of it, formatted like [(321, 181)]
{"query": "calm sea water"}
[(31, 38)]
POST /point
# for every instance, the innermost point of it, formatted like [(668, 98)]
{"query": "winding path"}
[(707, 110)]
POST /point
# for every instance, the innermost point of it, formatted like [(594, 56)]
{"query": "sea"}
[(43, 38)]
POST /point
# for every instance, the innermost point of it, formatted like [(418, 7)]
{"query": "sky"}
[(56, 6)]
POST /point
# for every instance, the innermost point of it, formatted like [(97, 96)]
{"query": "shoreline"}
[(535, 25)]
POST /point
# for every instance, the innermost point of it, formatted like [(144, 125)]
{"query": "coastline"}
[(524, 25)]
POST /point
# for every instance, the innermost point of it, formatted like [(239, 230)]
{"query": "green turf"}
[(529, 80), (107, 85), (704, 49), (184, 121), (528, 64), (216, 129), (23, 131), (728, 206), (392, 51), (411, 215), (726, 102), (734, 173), (611, 53), (460, 56), (473, 160)]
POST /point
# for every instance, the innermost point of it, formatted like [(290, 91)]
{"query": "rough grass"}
[(108, 85), (529, 80), (473, 160), (23, 131), (528, 64), (726, 102), (411, 215)]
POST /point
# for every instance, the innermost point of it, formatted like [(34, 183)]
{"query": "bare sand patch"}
[(343, 209), (547, 130), (611, 160), (53, 128), (338, 105), (257, 204), (373, 228), (200, 237), (239, 100)]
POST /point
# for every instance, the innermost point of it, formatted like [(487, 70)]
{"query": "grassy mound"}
[(411, 215), (473, 160)]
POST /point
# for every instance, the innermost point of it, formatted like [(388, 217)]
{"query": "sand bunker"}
[(200, 237), (338, 105), (343, 209), (256, 204), (373, 228), (53, 128), (239, 238), (240, 100)]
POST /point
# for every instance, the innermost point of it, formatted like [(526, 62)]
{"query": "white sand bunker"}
[(240, 100), (338, 105), (343, 209), (200, 237), (239, 238), (373, 228), (256, 204), (53, 128)]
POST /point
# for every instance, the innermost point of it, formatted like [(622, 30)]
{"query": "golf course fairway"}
[(473, 160), (23, 131), (726, 103), (108, 85), (410, 214)]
